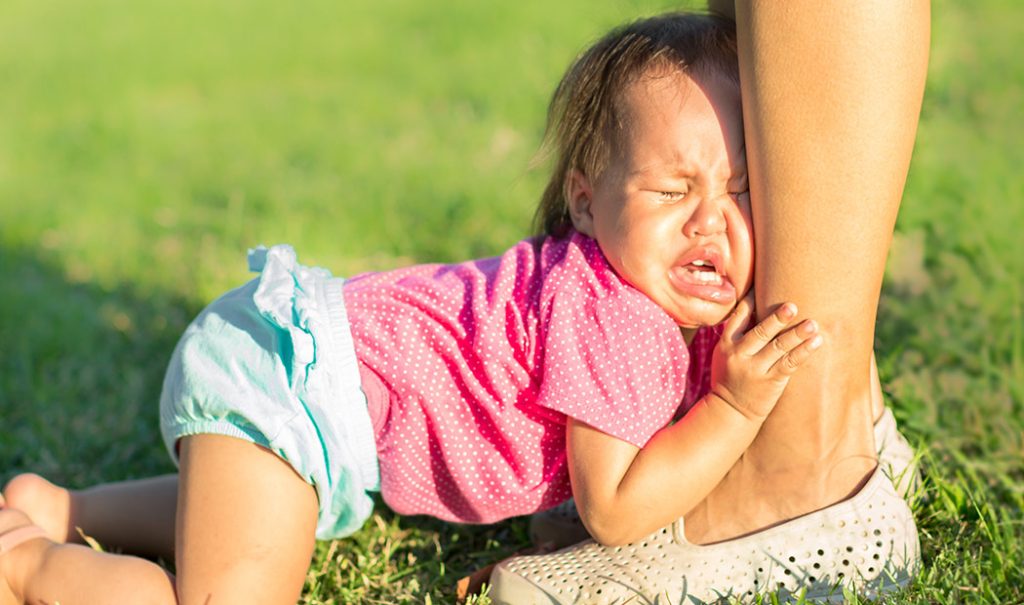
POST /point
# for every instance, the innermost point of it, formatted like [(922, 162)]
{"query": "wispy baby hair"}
[(585, 116)]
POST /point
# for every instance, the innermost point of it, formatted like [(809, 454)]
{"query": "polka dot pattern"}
[(698, 383), (472, 368)]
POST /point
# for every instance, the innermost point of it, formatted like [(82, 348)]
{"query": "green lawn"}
[(145, 146)]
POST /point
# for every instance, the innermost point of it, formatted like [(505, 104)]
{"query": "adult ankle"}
[(753, 498), (820, 458), (804, 488)]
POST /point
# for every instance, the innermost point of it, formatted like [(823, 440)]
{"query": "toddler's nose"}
[(707, 219)]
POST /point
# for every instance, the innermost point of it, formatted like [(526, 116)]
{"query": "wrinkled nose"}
[(707, 219)]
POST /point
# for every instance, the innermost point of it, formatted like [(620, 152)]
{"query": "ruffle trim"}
[(281, 299), (302, 302)]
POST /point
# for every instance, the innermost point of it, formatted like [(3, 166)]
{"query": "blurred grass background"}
[(144, 147)]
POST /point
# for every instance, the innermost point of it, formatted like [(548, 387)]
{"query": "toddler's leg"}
[(41, 571), (246, 524), (135, 516)]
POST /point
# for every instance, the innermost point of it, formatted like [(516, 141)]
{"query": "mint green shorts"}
[(273, 363)]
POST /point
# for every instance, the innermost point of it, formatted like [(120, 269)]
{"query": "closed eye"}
[(741, 196), (670, 197)]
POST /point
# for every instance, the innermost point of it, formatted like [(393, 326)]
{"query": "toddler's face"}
[(672, 212)]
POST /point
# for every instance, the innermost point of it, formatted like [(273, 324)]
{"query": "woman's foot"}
[(48, 505), (561, 526), (867, 543)]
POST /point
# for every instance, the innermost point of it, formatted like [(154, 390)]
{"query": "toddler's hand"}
[(750, 369)]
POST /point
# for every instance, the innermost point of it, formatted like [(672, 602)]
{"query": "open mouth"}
[(701, 272)]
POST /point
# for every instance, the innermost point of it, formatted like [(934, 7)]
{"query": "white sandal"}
[(896, 457), (868, 543), (560, 526)]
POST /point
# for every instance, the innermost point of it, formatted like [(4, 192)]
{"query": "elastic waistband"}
[(364, 444)]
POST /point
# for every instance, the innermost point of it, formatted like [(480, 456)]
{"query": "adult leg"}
[(135, 516), (831, 96)]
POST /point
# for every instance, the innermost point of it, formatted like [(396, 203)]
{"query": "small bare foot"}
[(48, 505)]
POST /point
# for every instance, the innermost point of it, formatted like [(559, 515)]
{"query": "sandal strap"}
[(16, 537)]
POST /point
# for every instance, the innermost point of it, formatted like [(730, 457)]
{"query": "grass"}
[(144, 147)]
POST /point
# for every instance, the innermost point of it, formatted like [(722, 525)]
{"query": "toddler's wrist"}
[(725, 400)]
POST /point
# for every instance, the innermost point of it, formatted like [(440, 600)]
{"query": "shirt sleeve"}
[(699, 382), (618, 364)]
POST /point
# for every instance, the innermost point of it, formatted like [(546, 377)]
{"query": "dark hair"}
[(585, 117)]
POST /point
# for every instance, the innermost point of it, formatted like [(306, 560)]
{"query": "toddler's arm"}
[(624, 492)]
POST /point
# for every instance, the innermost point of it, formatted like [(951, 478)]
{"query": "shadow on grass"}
[(80, 373)]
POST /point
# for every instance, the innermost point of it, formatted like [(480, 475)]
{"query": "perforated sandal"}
[(896, 457), (868, 544), (560, 526)]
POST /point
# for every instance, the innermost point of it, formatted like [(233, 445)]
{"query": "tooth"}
[(707, 278)]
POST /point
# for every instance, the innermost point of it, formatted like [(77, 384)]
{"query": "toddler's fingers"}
[(762, 334), (786, 342), (789, 363), (739, 319)]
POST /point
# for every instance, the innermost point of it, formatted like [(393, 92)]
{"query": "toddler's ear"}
[(578, 193)]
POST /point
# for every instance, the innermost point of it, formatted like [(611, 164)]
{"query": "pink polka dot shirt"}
[(470, 370)]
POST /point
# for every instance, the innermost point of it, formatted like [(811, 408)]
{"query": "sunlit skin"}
[(671, 212), (831, 94)]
